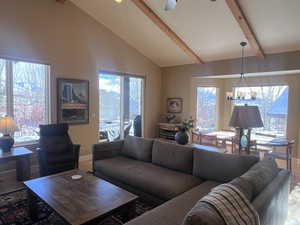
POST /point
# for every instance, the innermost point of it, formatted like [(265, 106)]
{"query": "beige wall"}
[(75, 46), (177, 83)]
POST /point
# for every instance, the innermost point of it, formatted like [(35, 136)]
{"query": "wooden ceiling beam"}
[(166, 29), (246, 28)]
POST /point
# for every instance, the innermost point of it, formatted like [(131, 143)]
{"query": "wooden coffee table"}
[(83, 201)]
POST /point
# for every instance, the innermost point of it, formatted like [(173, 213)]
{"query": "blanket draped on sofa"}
[(232, 205)]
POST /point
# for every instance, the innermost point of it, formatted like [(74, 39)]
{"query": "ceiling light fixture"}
[(171, 4), (240, 94), (118, 1)]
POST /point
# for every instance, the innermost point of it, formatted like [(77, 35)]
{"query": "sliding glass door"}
[(121, 106)]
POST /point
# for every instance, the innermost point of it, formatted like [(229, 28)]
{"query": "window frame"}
[(122, 75), (9, 86), (216, 104), (267, 85)]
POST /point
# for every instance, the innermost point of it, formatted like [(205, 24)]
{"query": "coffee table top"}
[(79, 201)]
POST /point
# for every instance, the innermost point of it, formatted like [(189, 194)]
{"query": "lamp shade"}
[(246, 117), (7, 125)]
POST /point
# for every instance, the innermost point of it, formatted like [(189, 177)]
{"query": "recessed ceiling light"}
[(118, 1)]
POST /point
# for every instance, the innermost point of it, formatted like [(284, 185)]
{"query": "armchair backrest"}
[(57, 152)]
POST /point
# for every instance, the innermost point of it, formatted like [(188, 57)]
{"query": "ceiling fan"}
[(171, 4)]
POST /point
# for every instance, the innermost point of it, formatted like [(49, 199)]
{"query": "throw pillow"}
[(138, 148), (173, 156)]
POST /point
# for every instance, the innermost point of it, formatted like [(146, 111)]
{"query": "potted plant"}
[(182, 136)]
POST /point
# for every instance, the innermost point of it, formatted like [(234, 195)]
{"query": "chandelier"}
[(241, 95)]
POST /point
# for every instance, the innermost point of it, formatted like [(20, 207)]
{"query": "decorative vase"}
[(182, 137)]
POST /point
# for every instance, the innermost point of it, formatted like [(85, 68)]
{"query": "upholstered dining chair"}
[(56, 151)]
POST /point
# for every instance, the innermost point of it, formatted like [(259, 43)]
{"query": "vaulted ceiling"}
[(207, 27)]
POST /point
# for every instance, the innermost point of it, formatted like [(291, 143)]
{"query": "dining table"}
[(258, 139)]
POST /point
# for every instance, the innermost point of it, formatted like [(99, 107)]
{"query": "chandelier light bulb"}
[(253, 95)]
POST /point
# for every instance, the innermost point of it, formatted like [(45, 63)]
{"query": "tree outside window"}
[(273, 105), (206, 108), (25, 86)]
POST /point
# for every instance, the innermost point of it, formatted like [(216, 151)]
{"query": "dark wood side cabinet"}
[(22, 157), (167, 131)]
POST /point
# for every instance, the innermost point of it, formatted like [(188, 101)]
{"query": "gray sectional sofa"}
[(175, 177)]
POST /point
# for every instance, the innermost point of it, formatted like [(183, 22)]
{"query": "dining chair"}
[(56, 152), (211, 140), (284, 155), (196, 137), (208, 140)]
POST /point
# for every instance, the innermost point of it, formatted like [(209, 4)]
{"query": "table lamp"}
[(7, 127), (245, 118)]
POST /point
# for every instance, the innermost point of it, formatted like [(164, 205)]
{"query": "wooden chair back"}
[(210, 140)]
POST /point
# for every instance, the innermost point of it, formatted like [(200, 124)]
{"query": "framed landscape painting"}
[(174, 105), (73, 101)]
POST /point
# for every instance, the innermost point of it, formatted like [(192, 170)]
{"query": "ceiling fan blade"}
[(171, 4)]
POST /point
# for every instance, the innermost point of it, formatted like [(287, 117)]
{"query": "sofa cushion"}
[(174, 211), (155, 180), (220, 167), (138, 148), (173, 156), (260, 175)]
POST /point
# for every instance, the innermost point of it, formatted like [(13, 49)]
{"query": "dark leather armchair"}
[(56, 151)]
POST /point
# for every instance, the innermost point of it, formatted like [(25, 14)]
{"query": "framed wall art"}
[(174, 105), (73, 101)]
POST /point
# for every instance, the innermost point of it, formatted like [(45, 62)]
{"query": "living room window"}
[(273, 105), (121, 106), (24, 95), (206, 108)]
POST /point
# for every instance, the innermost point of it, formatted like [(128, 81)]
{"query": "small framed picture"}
[(174, 105), (73, 101)]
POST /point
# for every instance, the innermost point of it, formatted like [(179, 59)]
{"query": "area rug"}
[(294, 207), (14, 211)]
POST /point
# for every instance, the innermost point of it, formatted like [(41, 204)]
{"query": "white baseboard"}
[(85, 158)]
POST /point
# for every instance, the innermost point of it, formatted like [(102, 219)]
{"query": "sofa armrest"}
[(272, 203), (107, 150)]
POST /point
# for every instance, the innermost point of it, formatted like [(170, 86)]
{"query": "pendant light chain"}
[(243, 81)]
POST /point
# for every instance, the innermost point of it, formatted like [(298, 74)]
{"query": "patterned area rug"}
[(14, 211)]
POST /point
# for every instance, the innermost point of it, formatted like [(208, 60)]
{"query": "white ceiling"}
[(206, 27)]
